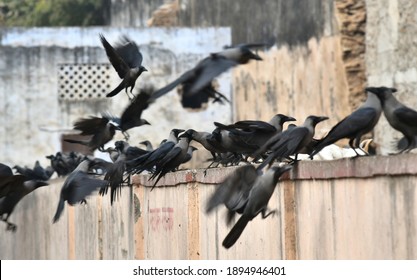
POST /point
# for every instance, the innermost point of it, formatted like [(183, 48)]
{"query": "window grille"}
[(83, 81)]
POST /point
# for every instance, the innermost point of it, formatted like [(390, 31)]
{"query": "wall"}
[(361, 42), (132, 13), (363, 208), (316, 69), (290, 23), (351, 17), (284, 83), (92, 231), (317, 66), (306, 73), (34, 117)]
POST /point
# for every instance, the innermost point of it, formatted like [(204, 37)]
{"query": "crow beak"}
[(42, 183), (255, 56), (371, 89), (320, 119)]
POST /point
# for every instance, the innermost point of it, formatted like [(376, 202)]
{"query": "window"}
[(83, 81)]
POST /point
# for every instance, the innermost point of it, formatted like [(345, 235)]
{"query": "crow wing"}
[(83, 185), (121, 67), (407, 116), (91, 125), (255, 125), (352, 124), (207, 70), (133, 112), (234, 190), (129, 52), (183, 78)]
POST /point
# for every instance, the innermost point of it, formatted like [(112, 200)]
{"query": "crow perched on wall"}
[(399, 116), (354, 126)]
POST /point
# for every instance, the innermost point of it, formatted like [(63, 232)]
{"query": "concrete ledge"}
[(361, 167), (213, 176)]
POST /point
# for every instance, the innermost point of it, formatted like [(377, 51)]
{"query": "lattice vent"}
[(83, 81)]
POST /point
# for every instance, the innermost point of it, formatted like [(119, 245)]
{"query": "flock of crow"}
[(265, 150)]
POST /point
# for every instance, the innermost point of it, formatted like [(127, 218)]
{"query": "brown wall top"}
[(362, 167)]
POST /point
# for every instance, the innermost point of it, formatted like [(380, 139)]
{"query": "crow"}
[(126, 60)]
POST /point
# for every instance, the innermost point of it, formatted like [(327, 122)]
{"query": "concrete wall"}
[(328, 52), (132, 13), (92, 231), (317, 66), (391, 55), (296, 82), (344, 209), (307, 72), (290, 22), (34, 117)]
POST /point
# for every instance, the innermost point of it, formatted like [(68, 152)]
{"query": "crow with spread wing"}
[(197, 83), (126, 60)]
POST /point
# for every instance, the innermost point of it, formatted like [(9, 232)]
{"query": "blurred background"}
[(54, 70), (325, 53)]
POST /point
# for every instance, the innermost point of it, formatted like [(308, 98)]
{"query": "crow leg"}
[(10, 226), (265, 215), (296, 159), (126, 135), (353, 148), (127, 93)]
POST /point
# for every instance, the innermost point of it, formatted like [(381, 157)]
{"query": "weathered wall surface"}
[(175, 225), (351, 18), (343, 209), (356, 218), (34, 117), (391, 55), (317, 66), (316, 70), (290, 22), (374, 39), (92, 231), (132, 13), (299, 82)]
